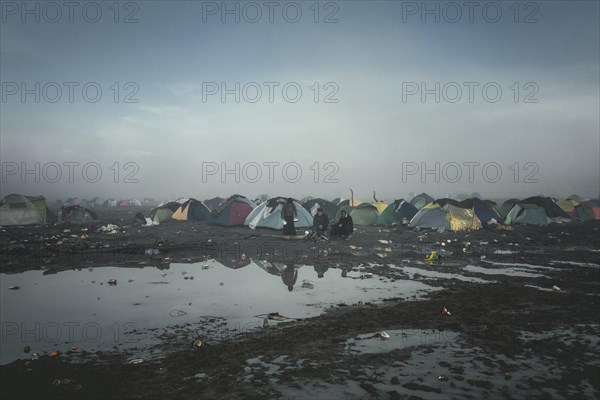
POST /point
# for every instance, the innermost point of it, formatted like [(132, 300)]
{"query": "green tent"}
[(16, 209), (396, 212), (530, 214), (165, 212), (362, 214)]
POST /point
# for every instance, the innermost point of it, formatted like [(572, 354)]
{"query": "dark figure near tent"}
[(344, 227), (289, 274), (289, 214), (320, 223)]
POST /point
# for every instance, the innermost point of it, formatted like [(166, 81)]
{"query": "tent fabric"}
[(568, 206), (550, 207), (363, 214), (349, 202), (268, 215), (329, 208), (77, 215), (380, 206), (214, 203), (110, 203), (16, 209), (73, 201), (591, 208), (461, 219), (507, 206), (447, 214), (233, 211), (165, 212), (192, 210), (396, 212), (530, 214), (421, 200), (430, 217)]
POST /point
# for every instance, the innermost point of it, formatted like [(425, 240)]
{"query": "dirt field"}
[(507, 333)]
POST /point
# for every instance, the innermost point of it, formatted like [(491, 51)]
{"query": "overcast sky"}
[(370, 127)]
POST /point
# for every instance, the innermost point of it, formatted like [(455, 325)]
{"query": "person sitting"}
[(320, 223), (344, 227)]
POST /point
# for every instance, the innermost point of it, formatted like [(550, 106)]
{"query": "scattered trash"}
[(112, 282), (206, 266), (556, 288), (197, 344), (110, 228), (384, 241), (152, 252), (306, 284), (366, 275), (74, 347), (445, 311), (432, 256), (265, 323), (442, 378), (67, 231), (276, 316), (383, 335), (35, 356), (129, 280), (26, 349), (54, 354), (222, 283), (177, 313), (136, 361), (14, 287)]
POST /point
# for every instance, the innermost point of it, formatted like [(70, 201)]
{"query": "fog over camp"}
[(319, 199), (168, 62)]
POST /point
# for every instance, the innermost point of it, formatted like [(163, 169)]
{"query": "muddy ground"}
[(501, 339)]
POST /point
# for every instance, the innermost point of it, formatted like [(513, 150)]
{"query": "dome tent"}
[(16, 209), (396, 212), (192, 210), (268, 215), (232, 211)]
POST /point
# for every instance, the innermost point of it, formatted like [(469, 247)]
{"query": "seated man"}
[(320, 223), (344, 227)]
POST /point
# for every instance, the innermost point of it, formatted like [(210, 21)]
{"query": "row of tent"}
[(421, 212), (98, 202)]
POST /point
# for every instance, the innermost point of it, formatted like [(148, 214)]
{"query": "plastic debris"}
[(177, 313), (265, 323), (74, 347), (445, 311), (222, 283), (151, 252), (35, 356), (384, 241), (383, 335), (442, 378), (366, 275), (276, 316), (112, 282), (307, 284), (197, 344), (110, 228), (54, 354), (556, 288), (14, 287), (432, 256), (136, 361)]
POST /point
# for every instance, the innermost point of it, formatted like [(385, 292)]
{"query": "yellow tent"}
[(461, 219), (380, 206)]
